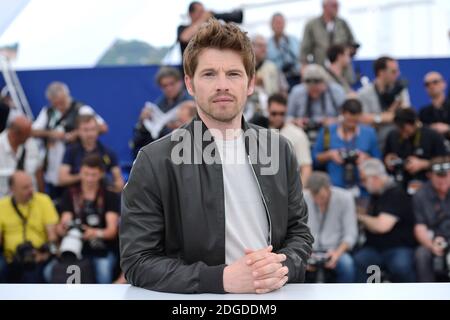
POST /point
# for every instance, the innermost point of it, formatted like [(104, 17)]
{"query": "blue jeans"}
[(3, 269), (398, 261), (345, 269), (104, 267)]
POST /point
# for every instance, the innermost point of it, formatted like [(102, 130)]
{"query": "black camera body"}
[(398, 169), (25, 255), (441, 264), (318, 259), (236, 16), (349, 156), (391, 95), (311, 129)]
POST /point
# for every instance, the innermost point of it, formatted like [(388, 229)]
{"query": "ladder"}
[(14, 87)]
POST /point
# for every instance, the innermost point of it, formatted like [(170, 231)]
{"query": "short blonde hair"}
[(216, 35)]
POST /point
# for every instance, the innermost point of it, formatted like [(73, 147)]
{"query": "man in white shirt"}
[(19, 152), (56, 125), (298, 138)]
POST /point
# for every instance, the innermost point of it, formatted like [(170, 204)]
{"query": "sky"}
[(72, 33)]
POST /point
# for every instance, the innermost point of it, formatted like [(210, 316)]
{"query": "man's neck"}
[(442, 195), (173, 99), (327, 18), (324, 208), (278, 36), (66, 106), (438, 101), (380, 85), (348, 133), (88, 190), (89, 146), (220, 129), (337, 69), (20, 201), (12, 142)]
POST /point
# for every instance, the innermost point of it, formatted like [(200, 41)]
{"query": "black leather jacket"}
[(172, 232)]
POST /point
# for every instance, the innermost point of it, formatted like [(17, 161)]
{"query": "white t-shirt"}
[(246, 222), (299, 142), (9, 160)]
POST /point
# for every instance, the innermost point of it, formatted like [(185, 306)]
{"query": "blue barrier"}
[(118, 93)]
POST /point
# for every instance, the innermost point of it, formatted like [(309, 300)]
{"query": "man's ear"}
[(251, 86), (189, 84)]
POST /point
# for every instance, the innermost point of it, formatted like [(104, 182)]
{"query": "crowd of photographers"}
[(376, 173)]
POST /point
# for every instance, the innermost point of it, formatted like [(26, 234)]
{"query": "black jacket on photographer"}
[(424, 144), (430, 114), (172, 233), (92, 214), (431, 211)]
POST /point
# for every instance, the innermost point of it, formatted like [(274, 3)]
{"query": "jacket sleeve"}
[(297, 245), (307, 43), (142, 245)]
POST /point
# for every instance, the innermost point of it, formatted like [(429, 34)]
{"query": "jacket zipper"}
[(263, 199)]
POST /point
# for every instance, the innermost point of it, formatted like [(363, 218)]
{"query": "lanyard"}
[(22, 217)]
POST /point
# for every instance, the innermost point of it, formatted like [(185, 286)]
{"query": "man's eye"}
[(235, 74), (208, 74)]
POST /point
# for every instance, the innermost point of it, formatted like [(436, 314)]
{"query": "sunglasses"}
[(441, 169), (275, 114), (313, 81), (429, 83)]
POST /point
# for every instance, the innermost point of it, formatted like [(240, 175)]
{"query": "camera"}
[(25, 255), (93, 221), (398, 169), (318, 260), (391, 95), (441, 264), (311, 129), (350, 157), (236, 16), (72, 243)]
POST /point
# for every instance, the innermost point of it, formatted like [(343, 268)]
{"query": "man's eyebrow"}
[(208, 69), (236, 70)]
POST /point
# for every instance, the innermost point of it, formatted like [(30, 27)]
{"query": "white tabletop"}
[(381, 291)]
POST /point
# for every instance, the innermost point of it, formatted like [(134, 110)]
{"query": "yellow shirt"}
[(39, 212)]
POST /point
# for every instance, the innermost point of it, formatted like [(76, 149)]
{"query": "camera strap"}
[(22, 217), (322, 104), (322, 217), (78, 201)]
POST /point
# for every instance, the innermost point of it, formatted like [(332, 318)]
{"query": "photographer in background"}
[(409, 149), (89, 143), (382, 97), (339, 58), (432, 229), (27, 230), (315, 102), (284, 50), (388, 225), (332, 220), (436, 115), (94, 210), (199, 15), (296, 136), (343, 146)]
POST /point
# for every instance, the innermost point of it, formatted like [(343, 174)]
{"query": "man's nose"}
[(222, 83)]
